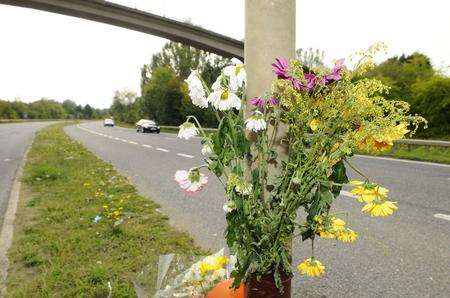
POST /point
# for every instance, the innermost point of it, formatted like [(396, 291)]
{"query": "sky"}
[(54, 56)]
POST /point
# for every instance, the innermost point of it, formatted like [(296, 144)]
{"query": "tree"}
[(432, 101), (162, 96), (125, 106), (70, 107)]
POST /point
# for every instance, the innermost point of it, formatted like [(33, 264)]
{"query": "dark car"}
[(144, 125)]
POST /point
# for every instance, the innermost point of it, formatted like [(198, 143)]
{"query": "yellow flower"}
[(338, 224), (326, 234), (380, 208), (314, 124), (311, 267), (347, 235), (212, 264), (400, 130), (367, 192)]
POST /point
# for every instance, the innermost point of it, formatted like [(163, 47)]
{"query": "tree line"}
[(48, 109), (164, 95)]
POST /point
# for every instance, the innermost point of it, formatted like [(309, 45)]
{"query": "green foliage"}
[(164, 94), (413, 79)]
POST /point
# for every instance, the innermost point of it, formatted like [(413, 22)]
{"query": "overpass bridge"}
[(138, 20)]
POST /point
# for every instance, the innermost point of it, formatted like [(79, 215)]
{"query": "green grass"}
[(57, 250), (417, 152)]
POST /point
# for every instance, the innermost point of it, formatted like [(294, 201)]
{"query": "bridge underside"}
[(123, 16)]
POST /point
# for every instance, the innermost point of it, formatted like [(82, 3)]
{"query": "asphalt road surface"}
[(405, 255), (14, 140)]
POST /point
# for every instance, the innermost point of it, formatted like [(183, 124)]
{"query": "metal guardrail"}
[(435, 143)]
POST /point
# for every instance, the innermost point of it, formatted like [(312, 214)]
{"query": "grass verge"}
[(58, 250), (417, 152)]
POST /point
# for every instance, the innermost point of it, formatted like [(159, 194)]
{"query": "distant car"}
[(144, 125), (108, 122)]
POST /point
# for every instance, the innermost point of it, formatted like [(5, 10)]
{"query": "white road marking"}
[(442, 216), (131, 142), (6, 159), (123, 140), (146, 146), (348, 194), (117, 139), (405, 160), (185, 155), (162, 149)]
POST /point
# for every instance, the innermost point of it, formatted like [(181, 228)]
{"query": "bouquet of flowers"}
[(289, 151)]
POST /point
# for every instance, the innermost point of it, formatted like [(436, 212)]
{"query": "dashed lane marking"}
[(442, 216), (185, 155), (131, 142), (146, 146), (162, 149)]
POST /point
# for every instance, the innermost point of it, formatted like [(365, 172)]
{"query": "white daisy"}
[(191, 181), (229, 206), (236, 73), (187, 130), (224, 99), (196, 90), (256, 122), (207, 149)]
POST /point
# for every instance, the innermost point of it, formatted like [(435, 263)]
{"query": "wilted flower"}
[(311, 267), (196, 90), (280, 67), (256, 122), (367, 192), (207, 149), (187, 130), (236, 74), (346, 235), (224, 99), (229, 206), (258, 102), (335, 73), (191, 181), (380, 208), (311, 81)]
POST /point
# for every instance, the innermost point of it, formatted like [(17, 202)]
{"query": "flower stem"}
[(356, 170)]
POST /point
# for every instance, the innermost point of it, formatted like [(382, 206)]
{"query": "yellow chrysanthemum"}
[(347, 235), (367, 192), (212, 264), (311, 267), (380, 208), (326, 234), (338, 224), (314, 124)]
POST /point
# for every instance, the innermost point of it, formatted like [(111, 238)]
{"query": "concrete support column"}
[(269, 34)]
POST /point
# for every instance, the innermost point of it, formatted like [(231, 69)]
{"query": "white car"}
[(145, 125), (108, 122)]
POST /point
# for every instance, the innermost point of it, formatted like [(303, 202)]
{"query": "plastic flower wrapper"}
[(183, 276)]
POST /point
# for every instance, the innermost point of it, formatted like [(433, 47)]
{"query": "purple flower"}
[(258, 102), (335, 73), (273, 101), (280, 67), (311, 81), (297, 84)]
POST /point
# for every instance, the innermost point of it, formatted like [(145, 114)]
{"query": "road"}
[(14, 140), (405, 255)]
